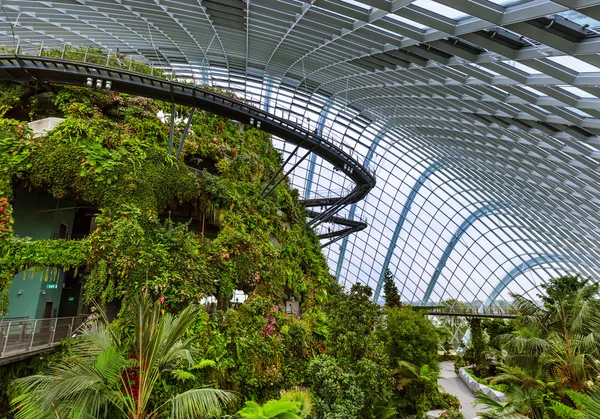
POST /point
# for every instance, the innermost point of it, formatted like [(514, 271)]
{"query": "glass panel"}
[(532, 90), (580, 112), (487, 70), (580, 18), (358, 4), (440, 9), (522, 67), (576, 91), (575, 64), (507, 3), (408, 21)]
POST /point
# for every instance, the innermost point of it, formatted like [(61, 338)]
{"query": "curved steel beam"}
[(519, 269), (453, 242), (378, 138), (405, 210), (313, 158)]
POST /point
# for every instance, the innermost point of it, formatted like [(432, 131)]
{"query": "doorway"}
[(48, 310)]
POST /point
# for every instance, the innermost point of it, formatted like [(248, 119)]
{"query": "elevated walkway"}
[(489, 313), (22, 338), (61, 71)]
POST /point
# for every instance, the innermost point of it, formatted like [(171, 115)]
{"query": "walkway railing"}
[(19, 336), (471, 312)]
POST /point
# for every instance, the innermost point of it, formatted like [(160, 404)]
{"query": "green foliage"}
[(565, 288), (495, 409), (551, 353), (302, 397), (336, 392), (294, 404), (419, 381), (497, 327), (110, 374), (478, 345), (561, 339), (353, 320), (410, 337), (459, 362), (110, 153), (390, 291)]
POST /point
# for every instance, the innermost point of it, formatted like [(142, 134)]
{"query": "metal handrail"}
[(26, 335)]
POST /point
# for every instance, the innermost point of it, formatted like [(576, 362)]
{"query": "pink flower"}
[(162, 299), (20, 127)]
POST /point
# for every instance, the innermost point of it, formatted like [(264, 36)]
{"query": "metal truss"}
[(503, 95)]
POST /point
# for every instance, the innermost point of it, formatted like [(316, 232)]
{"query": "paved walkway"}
[(451, 383)]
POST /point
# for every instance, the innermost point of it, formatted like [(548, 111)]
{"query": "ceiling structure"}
[(480, 118)]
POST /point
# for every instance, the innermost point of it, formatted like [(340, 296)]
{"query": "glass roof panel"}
[(531, 89), (441, 9), (522, 67), (487, 70), (575, 64), (579, 112), (580, 18), (408, 21), (507, 3), (357, 3), (576, 91)]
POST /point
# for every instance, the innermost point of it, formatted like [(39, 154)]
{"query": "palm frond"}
[(302, 397), (277, 408), (200, 402)]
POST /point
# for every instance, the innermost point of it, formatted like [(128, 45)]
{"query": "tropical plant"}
[(562, 338), (273, 409), (588, 403), (110, 374), (495, 409), (302, 397), (403, 343), (421, 379), (382, 410)]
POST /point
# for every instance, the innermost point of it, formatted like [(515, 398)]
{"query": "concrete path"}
[(451, 383)]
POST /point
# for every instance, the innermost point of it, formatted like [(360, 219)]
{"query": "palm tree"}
[(423, 378), (108, 375), (497, 410), (562, 338)]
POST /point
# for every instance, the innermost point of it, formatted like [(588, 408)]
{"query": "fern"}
[(205, 363), (183, 375), (565, 412)]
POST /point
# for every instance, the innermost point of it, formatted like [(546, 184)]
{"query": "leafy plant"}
[(421, 379), (112, 375)]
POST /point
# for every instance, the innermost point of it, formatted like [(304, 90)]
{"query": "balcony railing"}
[(19, 336), (69, 236)]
